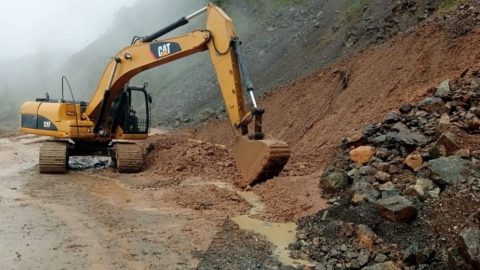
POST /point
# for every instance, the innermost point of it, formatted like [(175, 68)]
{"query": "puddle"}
[(279, 234), (89, 163)]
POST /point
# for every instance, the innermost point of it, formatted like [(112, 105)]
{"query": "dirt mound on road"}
[(179, 156)]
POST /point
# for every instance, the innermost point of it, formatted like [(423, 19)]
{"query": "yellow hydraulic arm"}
[(219, 38), (259, 157)]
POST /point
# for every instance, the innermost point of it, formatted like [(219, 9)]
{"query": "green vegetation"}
[(446, 6), (356, 9)]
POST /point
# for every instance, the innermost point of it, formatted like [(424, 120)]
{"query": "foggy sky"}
[(31, 26)]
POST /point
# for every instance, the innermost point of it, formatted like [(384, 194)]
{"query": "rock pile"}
[(387, 174)]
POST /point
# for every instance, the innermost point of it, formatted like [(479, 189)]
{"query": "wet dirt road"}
[(91, 220), (94, 218)]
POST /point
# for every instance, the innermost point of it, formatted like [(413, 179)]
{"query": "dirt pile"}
[(413, 188), (179, 156)]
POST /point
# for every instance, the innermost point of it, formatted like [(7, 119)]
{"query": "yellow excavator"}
[(109, 122)]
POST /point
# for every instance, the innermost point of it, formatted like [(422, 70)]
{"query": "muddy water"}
[(279, 234)]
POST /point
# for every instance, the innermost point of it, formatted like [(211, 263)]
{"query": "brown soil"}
[(178, 155), (376, 81), (457, 208)]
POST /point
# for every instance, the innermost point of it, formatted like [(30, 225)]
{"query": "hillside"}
[(283, 40)]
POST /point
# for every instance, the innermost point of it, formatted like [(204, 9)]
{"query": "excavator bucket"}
[(259, 160)]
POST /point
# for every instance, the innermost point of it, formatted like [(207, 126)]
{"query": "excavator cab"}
[(130, 110)]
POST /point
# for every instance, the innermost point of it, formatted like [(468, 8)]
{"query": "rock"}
[(400, 127), (364, 257), (406, 108), (384, 166), (469, 244), (355, 139), (386, 186), (425, 255), (382, 153), (444, 121), (383, 266), (390, 193), (456, 261), (397, 209), (205, 115), (295, 245), (370, 129), (334, 182), (365, 190), (474, 124), (380, 258), (365, 236), (444, 146), (391, 118), (410, 254), (449, 170), (407, 139), (379, 140), (367, 170), (420, 189), (443, 90), (463, 153), (353, 174), (362, 154), (383, 176), (431, 104), (414, 160), (357, 198)]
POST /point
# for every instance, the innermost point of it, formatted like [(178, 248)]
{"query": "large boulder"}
[(450, 170), (334, 182), (397, 208)]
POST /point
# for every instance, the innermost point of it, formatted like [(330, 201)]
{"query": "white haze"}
[(28, 27)]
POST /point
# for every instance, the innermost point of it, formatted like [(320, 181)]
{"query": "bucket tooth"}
[(259, 160)]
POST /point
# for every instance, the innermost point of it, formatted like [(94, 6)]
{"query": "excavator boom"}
[(258, 156)]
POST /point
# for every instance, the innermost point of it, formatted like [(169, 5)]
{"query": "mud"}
[(94, 218)]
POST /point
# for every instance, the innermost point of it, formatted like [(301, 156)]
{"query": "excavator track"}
[(129, 158), (53, 158)]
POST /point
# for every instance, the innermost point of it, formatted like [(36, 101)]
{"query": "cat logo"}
[(47, 124), (162, 49)]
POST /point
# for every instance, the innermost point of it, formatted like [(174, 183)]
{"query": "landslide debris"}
[(413, 195)]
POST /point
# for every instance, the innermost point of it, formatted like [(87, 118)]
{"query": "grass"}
[(447, 6), (356, 8)]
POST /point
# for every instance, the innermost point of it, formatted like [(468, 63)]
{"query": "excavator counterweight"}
[(106, 125)]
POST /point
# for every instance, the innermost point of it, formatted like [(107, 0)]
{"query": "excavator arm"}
[(258, 156), (219, 38)]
